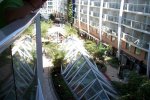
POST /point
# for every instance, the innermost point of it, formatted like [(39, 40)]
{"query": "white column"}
[(100, 19), (79, 14), (88, 18), (39, 50), (119, 28), (148, 62)]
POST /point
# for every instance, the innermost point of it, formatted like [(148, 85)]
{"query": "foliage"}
[(58, 58), (113, 61), (98, 51), (61, 87), (52, 17), (44, 27), (70, 30), (137, 88), (69, 11), (90, 46), (29, 30), (51, 49)]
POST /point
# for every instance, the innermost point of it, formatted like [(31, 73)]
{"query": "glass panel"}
[(82, 71), (107, 89), (7, 86), (103, 96), (96, 87), (75, 66), (24, 65)]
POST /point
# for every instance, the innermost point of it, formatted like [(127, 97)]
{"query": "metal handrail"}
[(9, 33)]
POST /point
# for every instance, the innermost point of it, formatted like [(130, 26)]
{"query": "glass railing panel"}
[(137, 7), (114, 5), (97, 4), (24, 63), (96, 14), (109, 31), (138, 42), (6, 78)]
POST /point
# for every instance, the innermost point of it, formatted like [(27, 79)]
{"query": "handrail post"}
[(39, 50)]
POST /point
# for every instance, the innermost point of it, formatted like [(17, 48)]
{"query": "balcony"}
[(109, 31), (84, 20), (137, 25), (111, 5), (96, 14), (95, 4), (84, 2), (111, 18), (137, 42), (21, 60), (94, 24), (142, 8)]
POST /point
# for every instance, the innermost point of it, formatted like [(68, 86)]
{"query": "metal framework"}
[(83, 76)]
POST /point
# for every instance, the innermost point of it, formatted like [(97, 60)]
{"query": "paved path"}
[(48, 92), (112, 73)]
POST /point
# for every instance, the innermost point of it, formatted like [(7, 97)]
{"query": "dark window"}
[(137, 51), (146, 56)]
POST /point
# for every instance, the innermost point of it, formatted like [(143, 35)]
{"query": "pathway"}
[(48, 92), (112, 73)]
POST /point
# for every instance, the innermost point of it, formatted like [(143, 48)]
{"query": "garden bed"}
[(61, 87)]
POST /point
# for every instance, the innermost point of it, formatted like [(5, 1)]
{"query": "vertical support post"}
[(88, 18), (119, 28), (39, 50), (79, 14), (100, 19), (148, 63)]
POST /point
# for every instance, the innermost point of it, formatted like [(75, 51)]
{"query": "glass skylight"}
[(83, 76)]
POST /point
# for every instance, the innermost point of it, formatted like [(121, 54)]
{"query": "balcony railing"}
[(144, 8), (107, 17), (84, 2), (96, 14), (111, 5), (138, 42), (22, 68), (84, 20), (109, 31), (94, 24), (136, 24)]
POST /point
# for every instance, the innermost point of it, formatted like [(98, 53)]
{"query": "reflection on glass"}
[(24, 66)]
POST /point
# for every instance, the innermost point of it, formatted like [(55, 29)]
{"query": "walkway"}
[(48, 92), (112, 73)]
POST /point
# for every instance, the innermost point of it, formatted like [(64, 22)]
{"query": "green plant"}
[(69, 11), (137, 88), (51, 49), (44, 27), (29, 30), (58, 59), (70, 30), (90, 46), (60, 85), (52, 17)]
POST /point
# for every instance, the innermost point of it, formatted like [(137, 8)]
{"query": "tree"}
[(70, 11)]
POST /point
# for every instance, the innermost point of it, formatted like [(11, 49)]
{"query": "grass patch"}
[(61, 87)]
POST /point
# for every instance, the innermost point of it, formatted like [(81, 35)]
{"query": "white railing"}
[(136, 24), (111, 5), (144, 8), (138, 42), (109, 31), (112, 18)]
